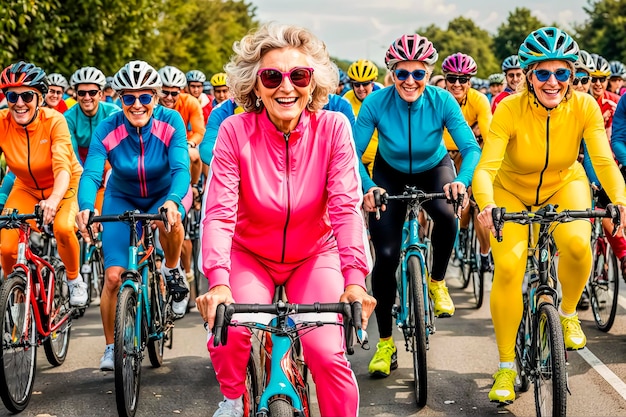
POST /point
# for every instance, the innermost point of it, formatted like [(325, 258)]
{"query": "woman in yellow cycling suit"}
[(528, 161)]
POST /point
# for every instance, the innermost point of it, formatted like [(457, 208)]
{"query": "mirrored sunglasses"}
[(129, 99), (27, 96), (403, 75), (561, 74), (273, 78)]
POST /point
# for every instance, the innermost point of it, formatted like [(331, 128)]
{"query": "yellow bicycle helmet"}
[(363, 70), (218, 80)]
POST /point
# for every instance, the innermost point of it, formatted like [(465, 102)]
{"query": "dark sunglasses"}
[(462, 79), (27, 96), (273, 78), (596, 79), (403, 75), (561, 74), (174, 94), (584, 80), (83, 93), (129, 99), (357, 84)]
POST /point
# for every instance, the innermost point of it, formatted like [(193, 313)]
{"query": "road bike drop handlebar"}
[(351, 318), (13, 220), (129, 216), (413, 194), (548, 214)]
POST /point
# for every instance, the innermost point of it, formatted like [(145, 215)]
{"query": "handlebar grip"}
[(497, 213), (218, 326), (377, 200), (39, 216), (615, 215), (163, 213), (348, 325)]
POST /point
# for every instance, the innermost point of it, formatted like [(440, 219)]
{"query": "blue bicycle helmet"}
[(510, 62), (545, 44)]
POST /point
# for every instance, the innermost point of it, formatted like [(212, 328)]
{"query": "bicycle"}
[(603, 284), (467, 254), (412, 278), (34, 310), (283, 388), (143, 316), (540, 347), (92, 269)]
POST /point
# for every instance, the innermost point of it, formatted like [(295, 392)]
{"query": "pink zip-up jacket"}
[(284, 197)]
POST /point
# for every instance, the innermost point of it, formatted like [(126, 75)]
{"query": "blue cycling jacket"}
[(146, 162), (410, 134)]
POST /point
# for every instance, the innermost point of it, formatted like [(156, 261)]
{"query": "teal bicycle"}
[(414, 312), (144, 316)]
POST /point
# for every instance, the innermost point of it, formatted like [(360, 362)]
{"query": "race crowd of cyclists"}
[(290, 151)]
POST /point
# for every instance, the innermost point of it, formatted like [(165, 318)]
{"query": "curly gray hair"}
[(243, 67)]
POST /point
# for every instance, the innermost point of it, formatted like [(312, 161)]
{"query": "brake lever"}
[(497, 213)]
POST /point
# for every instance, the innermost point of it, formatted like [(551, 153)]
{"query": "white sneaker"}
[(78, 292), (179, 308), (107, 362), (229, 408)]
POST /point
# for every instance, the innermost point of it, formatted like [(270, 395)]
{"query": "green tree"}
[(462, 35), (512, 33), (604, 32)]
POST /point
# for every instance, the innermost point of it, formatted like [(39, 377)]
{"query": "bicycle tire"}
[(18, 361), (280, 407), (162, 311), (57, 344), (551, 380), (252, 388), (603, 285), (465, 265), (417, 329), (523, 381), (97, 271), (477, 276), (127, 356)]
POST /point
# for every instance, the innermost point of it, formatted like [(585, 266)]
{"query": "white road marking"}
[(604, 371)]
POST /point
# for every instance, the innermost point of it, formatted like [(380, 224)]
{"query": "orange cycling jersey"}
[(189, 108), (38, 152)]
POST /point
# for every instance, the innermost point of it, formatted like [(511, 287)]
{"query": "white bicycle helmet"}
[(196, 76), (58, 80), (88, 75), (136, 75), (172, 77)]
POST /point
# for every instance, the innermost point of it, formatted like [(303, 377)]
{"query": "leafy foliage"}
[(604, 32), (512, 33), (462, 35)]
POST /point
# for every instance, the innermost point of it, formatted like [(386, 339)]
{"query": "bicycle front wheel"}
[(57, 344), (477, 276), (128, 354), (603, 285), (280, 407), (417, 328), (19, 349), (97, 272), (249, 395), (551, 381)]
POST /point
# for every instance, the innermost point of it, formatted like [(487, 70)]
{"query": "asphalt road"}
[(461, 360)]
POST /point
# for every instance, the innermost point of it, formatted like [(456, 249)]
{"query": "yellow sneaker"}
[(385, 359), (444, 307), (503, 389), (572, 333)]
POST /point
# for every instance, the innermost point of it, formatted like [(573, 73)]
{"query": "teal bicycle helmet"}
[(545, 44)]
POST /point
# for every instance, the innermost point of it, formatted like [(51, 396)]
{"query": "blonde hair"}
[(243, 67)]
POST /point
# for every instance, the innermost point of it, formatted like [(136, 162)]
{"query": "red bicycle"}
[(34, 310)]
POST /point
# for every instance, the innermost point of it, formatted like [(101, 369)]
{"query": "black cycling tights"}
[(386, 233)]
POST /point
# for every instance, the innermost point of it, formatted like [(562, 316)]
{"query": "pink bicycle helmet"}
[(411, 48), (459, 63)]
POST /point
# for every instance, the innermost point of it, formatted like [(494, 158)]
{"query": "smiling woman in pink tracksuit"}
[(283, 208)]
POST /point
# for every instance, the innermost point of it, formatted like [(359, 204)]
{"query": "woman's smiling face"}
[(285, 103)]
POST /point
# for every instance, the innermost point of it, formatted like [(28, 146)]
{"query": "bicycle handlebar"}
[(548, 214), (351, 314), (127, 216), (13, 220), (413, 194)]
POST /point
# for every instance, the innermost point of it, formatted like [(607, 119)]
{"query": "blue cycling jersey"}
[(410, 134), (146, 162), (82, 126)]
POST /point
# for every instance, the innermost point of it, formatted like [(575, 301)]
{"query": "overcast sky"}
[(354, 29)]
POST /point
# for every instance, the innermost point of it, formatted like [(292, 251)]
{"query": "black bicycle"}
[(540, 347)]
